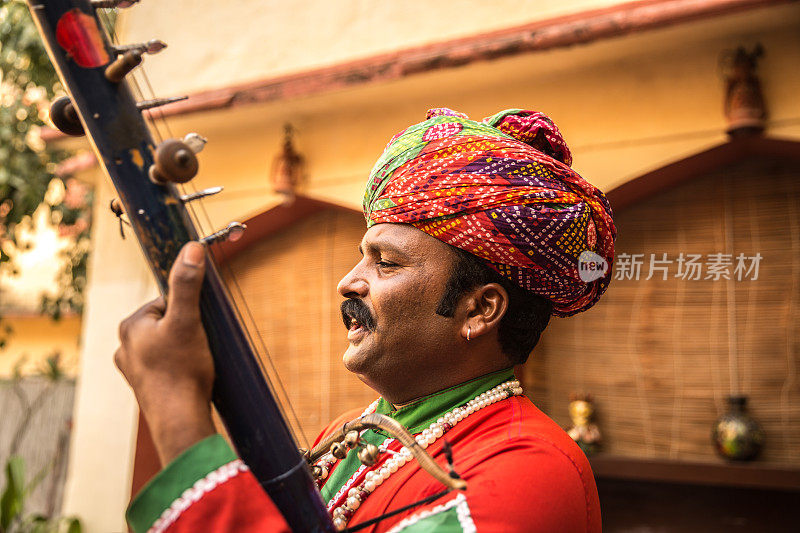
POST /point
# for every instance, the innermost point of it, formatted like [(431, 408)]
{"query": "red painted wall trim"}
[(567, 30), (273, 220)]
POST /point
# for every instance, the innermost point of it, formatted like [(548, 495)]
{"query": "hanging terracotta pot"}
[(735, 434)]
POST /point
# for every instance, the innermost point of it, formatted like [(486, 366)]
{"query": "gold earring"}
[(469, 330)]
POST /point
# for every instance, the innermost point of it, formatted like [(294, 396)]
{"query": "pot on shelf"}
[(735, 434)]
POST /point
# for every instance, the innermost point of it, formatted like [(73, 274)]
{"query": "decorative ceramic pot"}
[(736, 436)]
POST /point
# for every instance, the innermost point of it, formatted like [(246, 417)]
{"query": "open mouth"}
[(356, 330), (357, 319)]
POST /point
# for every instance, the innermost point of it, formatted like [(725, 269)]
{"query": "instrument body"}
[(162, 225)]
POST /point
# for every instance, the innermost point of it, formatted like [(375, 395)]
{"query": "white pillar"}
[(105, 416)]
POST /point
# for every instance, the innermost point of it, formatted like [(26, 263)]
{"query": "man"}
[(474, 237)]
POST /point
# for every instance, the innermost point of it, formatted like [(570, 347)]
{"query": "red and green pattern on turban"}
[(501, 189)]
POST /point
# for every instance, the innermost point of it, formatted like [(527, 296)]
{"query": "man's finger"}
[(185, 280), (155, 307)]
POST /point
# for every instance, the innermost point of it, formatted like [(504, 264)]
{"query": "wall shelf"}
[(743, 475)]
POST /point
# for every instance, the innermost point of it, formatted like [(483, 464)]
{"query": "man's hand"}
[(165, 357)]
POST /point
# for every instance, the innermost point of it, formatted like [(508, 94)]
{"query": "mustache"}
[(354, 308)]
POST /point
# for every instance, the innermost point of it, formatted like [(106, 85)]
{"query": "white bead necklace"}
[(374, 478)]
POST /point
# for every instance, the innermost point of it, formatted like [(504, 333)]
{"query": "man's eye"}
[(385, 264)]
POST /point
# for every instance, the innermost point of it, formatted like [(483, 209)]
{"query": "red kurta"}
[(524, 474)]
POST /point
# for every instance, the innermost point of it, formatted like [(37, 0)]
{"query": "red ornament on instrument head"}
[(79, 35)]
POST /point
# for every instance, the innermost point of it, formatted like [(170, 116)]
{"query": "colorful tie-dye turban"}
[(501, 189)]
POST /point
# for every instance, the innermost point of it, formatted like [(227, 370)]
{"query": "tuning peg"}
[(153, 46), (116, 207), (113, 4), (200, 194), (158, 102), (175, 162), (195, 141), (121, 66), (232, 232), (65, 117), (118, 210)]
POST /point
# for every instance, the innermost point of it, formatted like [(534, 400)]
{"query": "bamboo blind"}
[(289, 280), (660, 356)]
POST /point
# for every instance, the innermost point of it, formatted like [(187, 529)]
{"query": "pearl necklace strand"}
[(373, 479)]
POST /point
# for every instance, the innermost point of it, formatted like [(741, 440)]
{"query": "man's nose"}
[(352, 285)]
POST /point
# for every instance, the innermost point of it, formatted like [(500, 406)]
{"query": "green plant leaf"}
[(51, 369), (13, 497), (74, 525)]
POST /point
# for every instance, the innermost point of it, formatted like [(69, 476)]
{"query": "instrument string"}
[(299, 432), (239, 302), (241, 308), (110, 28)]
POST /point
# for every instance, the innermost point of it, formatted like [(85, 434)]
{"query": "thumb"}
[(185, 280)]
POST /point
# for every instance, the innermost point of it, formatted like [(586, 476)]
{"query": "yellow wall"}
[(213, 44), (35, 338)]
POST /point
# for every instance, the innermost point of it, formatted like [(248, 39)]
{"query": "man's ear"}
[(485, 307)]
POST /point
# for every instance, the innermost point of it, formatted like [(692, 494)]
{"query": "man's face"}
[(393, 292)]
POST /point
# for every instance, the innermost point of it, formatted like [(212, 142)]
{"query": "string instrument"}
[(147, 176)]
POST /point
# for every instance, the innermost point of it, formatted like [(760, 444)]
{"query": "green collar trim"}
[(182, 473), (421, 413)]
